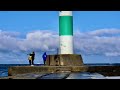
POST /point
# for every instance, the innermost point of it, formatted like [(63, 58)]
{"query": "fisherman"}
[(31, 58), (44, 56)]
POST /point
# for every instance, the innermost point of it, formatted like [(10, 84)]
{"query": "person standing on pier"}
[(44, 56), (31, 58)]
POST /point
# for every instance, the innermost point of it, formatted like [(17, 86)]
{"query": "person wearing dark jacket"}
[(44, 56), (33, 57)]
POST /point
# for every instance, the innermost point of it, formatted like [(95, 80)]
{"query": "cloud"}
[(99, 32), (39, 40), (8, 40), (112, 53), (36, 40), (96, 42), (11, 34), (92, 42)]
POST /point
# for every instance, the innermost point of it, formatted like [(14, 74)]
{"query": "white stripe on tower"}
[(65, 13), (66, 32)]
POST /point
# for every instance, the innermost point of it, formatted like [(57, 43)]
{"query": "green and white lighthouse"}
[(66, 32)]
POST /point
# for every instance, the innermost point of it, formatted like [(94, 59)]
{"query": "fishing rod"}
[(20, 62)]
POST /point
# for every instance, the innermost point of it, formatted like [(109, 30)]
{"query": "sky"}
[(96, 35)]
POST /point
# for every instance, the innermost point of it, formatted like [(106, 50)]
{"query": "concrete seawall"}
[(44, 69), (104, 70)]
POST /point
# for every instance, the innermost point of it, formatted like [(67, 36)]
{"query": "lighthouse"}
[(66, 55), (65, 32)]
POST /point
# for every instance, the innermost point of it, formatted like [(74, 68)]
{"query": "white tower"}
[(66, 32)]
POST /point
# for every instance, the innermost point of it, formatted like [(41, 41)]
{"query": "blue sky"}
[(96, 35)]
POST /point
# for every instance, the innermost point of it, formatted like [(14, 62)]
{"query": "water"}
[(4, 69), (85, 75)]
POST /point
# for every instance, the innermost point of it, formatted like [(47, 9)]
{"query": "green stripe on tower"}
[(65, 25)]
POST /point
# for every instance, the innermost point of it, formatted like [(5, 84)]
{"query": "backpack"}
[(30, 58)]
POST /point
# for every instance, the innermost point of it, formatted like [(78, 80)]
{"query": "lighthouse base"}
[(64, 60)]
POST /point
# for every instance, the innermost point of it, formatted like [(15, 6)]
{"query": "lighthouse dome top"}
[(65, 13)]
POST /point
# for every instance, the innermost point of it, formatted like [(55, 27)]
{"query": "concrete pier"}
[(63, 65), (44, 69), (64, 60), (53, 64), (62, 72)]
